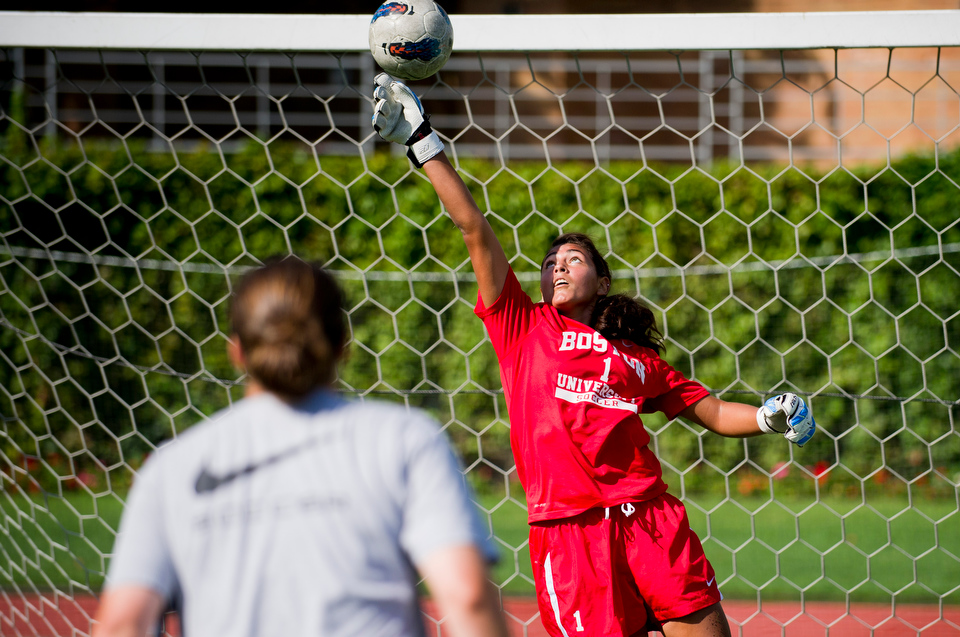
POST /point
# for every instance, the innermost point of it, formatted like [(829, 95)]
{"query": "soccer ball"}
[(411, 39)]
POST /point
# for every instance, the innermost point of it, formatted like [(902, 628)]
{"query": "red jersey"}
[(575, 400)]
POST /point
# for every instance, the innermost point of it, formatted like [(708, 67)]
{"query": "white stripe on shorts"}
[(554, 602)]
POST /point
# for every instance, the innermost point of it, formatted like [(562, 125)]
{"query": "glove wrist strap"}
[(422, 131), (425, 148), (762, 422)]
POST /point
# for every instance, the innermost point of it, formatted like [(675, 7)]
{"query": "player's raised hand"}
[(398, 117), (787, 414), (388, 115)]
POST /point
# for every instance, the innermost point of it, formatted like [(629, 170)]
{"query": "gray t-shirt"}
[(296, 520)]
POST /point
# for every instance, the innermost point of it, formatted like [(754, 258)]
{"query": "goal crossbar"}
[(348, 33)]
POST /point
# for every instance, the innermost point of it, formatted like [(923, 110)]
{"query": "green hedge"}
[(881, 328)]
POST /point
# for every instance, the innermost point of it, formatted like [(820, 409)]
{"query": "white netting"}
[(790, 216)]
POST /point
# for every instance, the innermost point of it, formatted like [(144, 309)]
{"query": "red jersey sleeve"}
[(676, 392), (510, 318)]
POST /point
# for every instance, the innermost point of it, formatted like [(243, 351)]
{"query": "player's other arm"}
[(457, 579), (398, 117), (443, 534), (128, 611), (734, 420), (141, 576), (785, 414)]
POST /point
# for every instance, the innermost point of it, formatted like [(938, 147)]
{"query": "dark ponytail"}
[(289, 319), (616, 316)]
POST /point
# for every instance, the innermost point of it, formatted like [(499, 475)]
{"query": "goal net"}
[(781, 189)]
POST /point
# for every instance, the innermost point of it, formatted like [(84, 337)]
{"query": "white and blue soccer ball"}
[(411, 39)]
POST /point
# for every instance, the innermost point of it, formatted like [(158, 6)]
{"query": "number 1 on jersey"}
[(606, 368), (576, 613)]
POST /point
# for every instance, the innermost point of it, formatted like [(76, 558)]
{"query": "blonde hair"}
[(289, 319)]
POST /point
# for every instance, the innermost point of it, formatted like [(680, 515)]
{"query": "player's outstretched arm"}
[(486, 254), (785, 414), (398, 117), (457, 579)]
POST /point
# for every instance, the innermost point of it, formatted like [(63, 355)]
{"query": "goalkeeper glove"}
[(398, 117), (787, 414)]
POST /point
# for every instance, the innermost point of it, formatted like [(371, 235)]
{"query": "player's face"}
[(570, 283)]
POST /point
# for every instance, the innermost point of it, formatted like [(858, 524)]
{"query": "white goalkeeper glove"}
[(398, 117), (787, 414)]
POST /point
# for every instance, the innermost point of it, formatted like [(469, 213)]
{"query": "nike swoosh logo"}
[(711, 581), (208, 482)]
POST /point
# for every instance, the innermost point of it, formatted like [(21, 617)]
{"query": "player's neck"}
[(581, 313), (253, 388)]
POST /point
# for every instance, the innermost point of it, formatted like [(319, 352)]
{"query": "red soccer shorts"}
[(605, 571)]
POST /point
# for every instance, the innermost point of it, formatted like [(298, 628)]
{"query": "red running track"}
[(53, 615)]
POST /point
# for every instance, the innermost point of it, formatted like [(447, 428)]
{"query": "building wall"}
[(845, 103), (806, 106)]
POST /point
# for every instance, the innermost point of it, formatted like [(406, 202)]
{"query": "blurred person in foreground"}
[(297, 512)]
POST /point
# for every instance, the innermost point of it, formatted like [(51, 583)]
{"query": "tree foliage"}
[(119, 263)]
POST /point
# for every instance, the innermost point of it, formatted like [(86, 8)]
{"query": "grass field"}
[(826, 548), (56, 542)]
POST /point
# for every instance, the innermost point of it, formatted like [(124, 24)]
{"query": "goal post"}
[(781, 189)]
